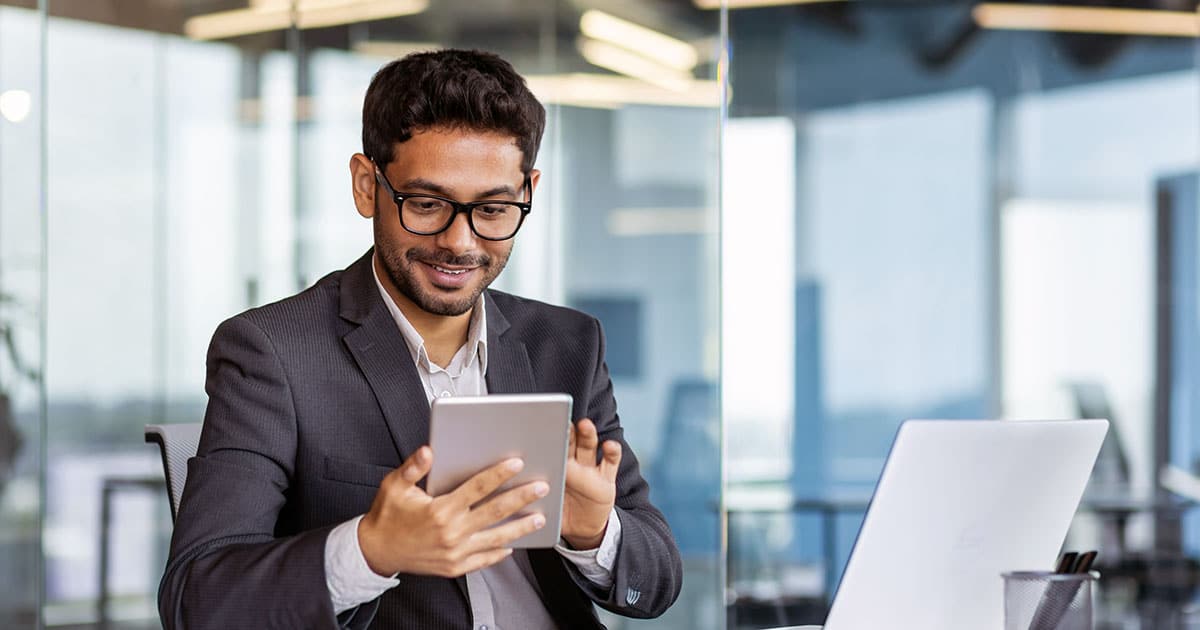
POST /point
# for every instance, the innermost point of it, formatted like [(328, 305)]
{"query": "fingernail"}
[(515, 465), (541, 489), (539, 521)]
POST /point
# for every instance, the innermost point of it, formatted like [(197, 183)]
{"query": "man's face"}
[(444, 273)]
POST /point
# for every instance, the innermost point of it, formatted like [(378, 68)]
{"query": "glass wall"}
[(923, 215), (22, 302), (975, 220), (196, 167)]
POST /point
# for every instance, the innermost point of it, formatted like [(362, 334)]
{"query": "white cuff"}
[(349, 580), (596, 564)]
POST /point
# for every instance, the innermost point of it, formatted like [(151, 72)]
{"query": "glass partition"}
[(22, 322), (984, 214), (197, 166)]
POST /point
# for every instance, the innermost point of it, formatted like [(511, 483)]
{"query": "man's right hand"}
[(408, 531)]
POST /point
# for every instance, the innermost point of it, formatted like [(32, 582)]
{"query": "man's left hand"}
[(591, 486)]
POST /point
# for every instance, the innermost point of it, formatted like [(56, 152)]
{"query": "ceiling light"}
[(660, 221), (662, 48), (391, 49), (15, 105), (1032, 17), (631, 64), (606, 91), (753, 4), (275, 15)]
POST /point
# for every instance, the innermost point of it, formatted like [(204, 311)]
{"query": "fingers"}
[(482, 484), (586, 442), (417, 465), (488, 547), (505, 505), (612, 460), (505, 534), (481, 560)]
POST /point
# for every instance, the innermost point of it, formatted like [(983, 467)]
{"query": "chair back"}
[(177, 443)]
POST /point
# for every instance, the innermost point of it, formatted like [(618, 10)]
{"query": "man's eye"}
[(493, 210), (424, 205)]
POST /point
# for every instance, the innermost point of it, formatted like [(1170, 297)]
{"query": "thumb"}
[(417, 465), (611, 464)]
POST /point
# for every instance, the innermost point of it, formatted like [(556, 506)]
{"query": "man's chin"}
[(446, 303)]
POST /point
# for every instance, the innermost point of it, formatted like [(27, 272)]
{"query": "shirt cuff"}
[(349, 580), (596, 564)]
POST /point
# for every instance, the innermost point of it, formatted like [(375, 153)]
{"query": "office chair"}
[(177, 443)]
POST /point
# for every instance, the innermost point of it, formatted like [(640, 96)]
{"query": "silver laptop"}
[(958, 503)]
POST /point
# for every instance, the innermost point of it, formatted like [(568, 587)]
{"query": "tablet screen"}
[(471, 433)]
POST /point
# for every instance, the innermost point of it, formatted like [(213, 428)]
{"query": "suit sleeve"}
[(227, 568), (647, 574)]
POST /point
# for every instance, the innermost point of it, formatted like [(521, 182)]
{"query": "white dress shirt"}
[(504, 596)]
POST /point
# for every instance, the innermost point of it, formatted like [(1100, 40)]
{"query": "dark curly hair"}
[(468, 89)]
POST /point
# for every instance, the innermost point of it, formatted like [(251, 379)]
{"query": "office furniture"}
[(686, 488), (796, 602), (177, 443), (110, 487)]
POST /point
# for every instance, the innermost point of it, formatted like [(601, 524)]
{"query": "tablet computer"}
[(471, 433)]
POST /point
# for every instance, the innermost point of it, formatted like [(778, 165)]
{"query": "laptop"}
[(958, 503)]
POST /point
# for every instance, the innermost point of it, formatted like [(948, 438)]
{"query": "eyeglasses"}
[(426, 215)]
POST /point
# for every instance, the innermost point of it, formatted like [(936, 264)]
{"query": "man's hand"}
[(408, 531), (591, 487)]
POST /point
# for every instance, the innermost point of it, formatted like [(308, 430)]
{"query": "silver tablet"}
[(471, 433)]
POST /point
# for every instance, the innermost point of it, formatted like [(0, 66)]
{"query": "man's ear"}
[(363, 184), (534, 176)]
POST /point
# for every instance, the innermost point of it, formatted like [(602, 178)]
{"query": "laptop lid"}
[(958, 503)]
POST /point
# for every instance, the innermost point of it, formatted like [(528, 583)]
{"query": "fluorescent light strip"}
[(392, 50), (1033, 17), (351, 12), (236, 22), (754, 4), (275, 15), (659, 221), (631, 64), (662, 48), (606, 91)]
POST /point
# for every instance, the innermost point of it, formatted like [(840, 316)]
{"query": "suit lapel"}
[(385, 360), (508, 370)]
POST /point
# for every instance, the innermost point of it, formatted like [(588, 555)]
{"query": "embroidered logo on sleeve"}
[(632, 596)]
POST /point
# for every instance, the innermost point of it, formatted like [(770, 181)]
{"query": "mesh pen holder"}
[(1043, 600)]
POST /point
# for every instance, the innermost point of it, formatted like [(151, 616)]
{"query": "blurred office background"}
[(800, 223)]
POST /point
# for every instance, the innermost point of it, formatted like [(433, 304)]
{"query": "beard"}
[(400, 266)]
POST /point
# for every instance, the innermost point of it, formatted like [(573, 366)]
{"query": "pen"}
[(1057, 598), (1066, 563), (1084, 563)]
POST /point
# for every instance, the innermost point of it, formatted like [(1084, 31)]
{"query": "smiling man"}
[(305, 507)]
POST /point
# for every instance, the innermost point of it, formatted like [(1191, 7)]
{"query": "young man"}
[(303, 507)]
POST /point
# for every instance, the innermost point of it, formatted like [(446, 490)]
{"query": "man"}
[(305, 507)]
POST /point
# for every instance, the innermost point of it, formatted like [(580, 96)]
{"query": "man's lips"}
[(448, 276)]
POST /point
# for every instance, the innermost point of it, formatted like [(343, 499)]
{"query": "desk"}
[(111, 486), (778, 499), (1111, 508)]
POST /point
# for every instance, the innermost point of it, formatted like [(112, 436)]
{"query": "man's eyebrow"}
[(425, 185)]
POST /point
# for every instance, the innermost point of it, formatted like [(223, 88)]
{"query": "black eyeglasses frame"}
[(459, 208)]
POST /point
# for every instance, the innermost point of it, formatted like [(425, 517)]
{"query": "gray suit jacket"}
[(312, 401)]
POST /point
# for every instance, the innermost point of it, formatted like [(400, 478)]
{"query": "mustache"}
[(442, 257)]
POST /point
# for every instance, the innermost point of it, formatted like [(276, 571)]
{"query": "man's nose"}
[(458, 238)]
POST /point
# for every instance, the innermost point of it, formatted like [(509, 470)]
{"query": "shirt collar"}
[(476, 346)]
